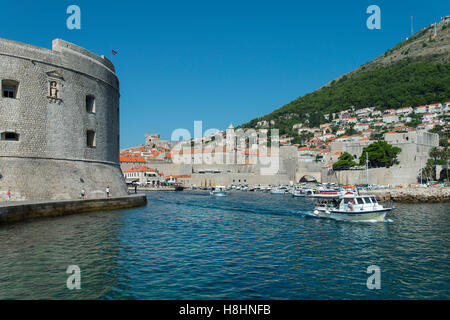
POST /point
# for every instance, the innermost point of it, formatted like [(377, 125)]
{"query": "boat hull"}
[(219, 194), (376, 215)]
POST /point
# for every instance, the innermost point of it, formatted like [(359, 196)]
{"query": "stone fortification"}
[(59, 122)]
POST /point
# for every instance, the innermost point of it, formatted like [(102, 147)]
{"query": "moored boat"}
[(218, 191), (178, 186), (299, 193), (278, 190), (330, 193)]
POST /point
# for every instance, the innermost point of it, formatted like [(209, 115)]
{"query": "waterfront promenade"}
[(16, 211), (144, 189)]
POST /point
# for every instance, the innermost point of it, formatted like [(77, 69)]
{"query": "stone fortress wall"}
[(415, 146), (59, 123)]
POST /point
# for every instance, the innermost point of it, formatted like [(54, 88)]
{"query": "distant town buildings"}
[(235, 156)]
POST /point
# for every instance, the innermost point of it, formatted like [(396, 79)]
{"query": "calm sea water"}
[(190, 245)]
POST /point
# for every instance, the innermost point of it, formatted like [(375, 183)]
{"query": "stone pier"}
[(27, 210), (413, 195)]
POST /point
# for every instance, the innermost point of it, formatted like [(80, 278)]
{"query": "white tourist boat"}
[(325, 202), (218, 191), (350, 207)]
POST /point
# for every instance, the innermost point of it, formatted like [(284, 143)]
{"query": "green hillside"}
[(413, 73)]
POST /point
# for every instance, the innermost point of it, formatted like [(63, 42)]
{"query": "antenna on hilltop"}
[(412, 25)]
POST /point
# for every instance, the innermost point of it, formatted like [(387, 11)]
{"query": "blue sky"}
[(218, 61)]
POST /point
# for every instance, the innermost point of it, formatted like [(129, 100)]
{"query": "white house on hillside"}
[(390, 118), (404, 111)]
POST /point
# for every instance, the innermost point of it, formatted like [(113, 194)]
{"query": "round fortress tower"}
[(59, 123)]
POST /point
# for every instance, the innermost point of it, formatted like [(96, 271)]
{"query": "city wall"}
[(395, 175)]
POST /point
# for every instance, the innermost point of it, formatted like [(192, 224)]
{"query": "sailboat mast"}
[(367, 169)]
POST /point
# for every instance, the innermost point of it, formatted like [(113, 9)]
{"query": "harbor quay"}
[(17, 211), (412, 195)]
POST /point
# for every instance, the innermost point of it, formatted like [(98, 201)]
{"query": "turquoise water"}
[(190, 245)]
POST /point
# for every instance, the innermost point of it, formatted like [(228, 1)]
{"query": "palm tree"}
[(427, 172), (445, 155), (435, 153)]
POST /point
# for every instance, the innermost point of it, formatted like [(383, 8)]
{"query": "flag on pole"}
[(114, 52)]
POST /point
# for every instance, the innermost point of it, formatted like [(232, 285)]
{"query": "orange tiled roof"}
[(136, 149), (131, 159), (140, 169)]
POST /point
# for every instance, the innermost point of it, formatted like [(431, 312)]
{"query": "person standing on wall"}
[(108, 191), (8, 195)]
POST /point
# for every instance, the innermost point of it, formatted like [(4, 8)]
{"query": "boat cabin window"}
[(360, 200), (373, 199), (367, 199), (347, 200)]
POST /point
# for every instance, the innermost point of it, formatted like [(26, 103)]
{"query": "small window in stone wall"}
[(53, 90), (90, 138), (90, 104), (9, 89), (9, 136)]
